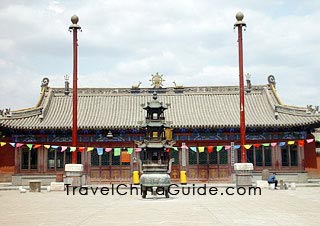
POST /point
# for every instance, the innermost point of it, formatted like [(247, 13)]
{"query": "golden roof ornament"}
[(44, 84), (157, 80)]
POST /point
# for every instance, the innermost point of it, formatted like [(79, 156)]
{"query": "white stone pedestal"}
[(57, 186), (74, 175), (243, 173)]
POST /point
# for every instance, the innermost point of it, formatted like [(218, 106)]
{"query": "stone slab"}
[(35, 185), (262, 184), (57, 186), (73, 168), (272, 186), (73, 174), (243, 166)]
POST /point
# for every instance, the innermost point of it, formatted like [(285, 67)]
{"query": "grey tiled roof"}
[(203, 107)]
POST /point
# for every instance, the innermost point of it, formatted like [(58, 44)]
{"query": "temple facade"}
[(204, 123)]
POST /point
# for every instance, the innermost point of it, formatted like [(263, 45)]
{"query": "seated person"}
[(272, 180)]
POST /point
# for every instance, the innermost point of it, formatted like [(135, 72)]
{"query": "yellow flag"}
[(291, 142), (47, 146), (201, 149), (90, 149), (247, 146), (2, 143)]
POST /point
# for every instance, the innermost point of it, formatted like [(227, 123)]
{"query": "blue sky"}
[(190, 42)]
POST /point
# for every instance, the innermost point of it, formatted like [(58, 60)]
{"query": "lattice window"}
[(213, 158), (175, 154), (192, 157), (115, 160), (223, 157), (55, 158), (68, 156), (51, 158), (250, 155), (105, 158), (25, 158), (79, 157), (294, 155), (285, 156), (239, 154), (203, 158), (94, 158), (267, 156), (60, 159), (259, 156), (33, 158)]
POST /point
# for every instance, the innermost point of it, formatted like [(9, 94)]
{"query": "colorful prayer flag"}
[(210, 149), (301, 143), (100, 151), (273, 144), (227, 147), (13, 144), (2, 143), (201, 149), (117, 152), (175, 148), (310, 140), (137, 149), (29, 146), (266, 144), (72, 149), (281, 144), (47, 146), (236, 146), (18, 145), (90, 149), (108, 149), (219, 148), (63, 148), (37, 146), (247, 146), (256, 145), (130, 150), (291, 142), (193, 149)]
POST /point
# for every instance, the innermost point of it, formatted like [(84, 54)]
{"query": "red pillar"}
[(241, 24), (74, 27)]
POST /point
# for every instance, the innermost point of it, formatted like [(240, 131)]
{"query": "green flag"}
[(117, 151), (29, 146), (130, 150)]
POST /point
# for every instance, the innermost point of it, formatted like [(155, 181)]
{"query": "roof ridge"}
[(166, 90)]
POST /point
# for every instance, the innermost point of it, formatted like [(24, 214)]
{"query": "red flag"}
[(210, 149), (300, 143)]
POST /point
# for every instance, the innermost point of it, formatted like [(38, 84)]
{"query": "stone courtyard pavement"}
[(272, 207)]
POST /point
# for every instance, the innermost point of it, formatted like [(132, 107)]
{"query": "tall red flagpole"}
[(75, 27), (241, 24)]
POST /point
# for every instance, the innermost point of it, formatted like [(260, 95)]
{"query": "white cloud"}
[(55, 7), (190, 42)]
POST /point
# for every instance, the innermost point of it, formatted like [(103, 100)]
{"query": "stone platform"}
[(272, 207)]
